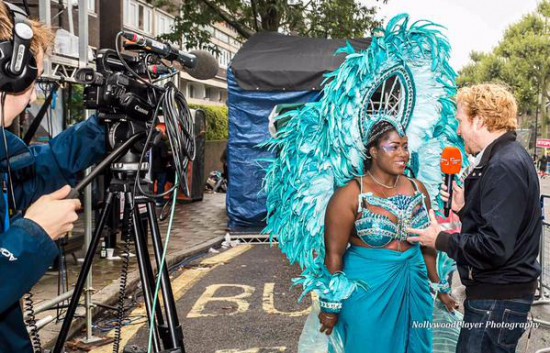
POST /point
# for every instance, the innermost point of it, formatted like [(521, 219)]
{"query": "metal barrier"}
[(544, 257)]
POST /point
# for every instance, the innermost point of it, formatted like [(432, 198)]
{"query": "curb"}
[(109, 294)]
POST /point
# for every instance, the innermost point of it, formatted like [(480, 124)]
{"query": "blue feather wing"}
[(320, 148)]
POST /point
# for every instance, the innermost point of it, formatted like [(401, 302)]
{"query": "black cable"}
[(122, 294), (30, 321), (137, 183), (62, 278), (165, 77), (180, 132), (146, 60)]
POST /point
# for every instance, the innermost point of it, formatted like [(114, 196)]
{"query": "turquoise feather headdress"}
[(322, 145)]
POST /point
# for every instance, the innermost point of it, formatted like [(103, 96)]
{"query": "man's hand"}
[(458, 196), (53, 213), (328, 321), (426, 236)]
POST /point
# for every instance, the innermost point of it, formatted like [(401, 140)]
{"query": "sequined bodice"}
[(377, 230)]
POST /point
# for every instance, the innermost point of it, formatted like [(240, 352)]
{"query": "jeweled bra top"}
[(377, 230)]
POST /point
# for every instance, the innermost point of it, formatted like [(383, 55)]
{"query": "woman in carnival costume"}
[(340, 178)]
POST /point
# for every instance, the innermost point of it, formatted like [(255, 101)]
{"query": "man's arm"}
[(503, 199), (26, 252), (58, 163)]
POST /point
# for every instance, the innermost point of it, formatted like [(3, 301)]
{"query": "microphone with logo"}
[(451, 164)]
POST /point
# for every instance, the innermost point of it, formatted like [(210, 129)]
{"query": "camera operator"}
[(35, 180)]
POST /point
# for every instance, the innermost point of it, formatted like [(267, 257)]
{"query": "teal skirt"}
[(395, 313)]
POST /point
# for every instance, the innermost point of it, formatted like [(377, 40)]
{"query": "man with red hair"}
[(497, 248)]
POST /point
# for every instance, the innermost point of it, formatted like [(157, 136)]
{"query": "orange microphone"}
[(451, 164)]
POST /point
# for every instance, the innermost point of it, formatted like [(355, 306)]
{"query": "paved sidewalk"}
[(197, 227)]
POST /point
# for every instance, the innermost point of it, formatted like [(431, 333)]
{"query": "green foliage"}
[(312, 18), (191, 28), (217, 121), (340, 19), (76, 104), (521, 60)]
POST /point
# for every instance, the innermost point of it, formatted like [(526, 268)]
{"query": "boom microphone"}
[(198, 63), (451, 164), (207, 65)]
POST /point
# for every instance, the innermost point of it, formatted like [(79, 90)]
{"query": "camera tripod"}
[(168, 335)]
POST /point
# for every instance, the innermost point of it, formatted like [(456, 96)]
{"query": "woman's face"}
[(392, 153)]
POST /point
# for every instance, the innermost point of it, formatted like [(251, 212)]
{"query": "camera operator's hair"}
[(43, 39), (493, 103)]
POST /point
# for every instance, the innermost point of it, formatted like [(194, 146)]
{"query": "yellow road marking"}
[(268, 304), (180, 286), (208, 296)]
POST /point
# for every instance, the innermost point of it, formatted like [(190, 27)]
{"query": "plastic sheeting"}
[(248, 127)]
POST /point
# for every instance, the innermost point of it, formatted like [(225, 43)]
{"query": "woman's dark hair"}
[(378, 133)]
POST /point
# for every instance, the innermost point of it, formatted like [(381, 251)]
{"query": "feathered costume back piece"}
[(403, 75)]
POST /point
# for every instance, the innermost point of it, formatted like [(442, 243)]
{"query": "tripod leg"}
[(145, 271), (82, 276), (174, 327)]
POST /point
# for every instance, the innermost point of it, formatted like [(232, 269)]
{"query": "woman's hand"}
[(449, 302), (328, 321)]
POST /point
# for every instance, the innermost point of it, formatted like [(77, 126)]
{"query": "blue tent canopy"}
[(270, 69)]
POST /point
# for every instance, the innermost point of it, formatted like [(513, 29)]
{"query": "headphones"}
[(18, 68)]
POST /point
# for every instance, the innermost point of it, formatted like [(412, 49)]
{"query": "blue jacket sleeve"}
[(26, 252), (57, 163)]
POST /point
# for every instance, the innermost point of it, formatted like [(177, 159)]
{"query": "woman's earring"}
[(368, 156)]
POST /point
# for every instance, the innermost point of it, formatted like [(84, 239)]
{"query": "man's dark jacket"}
[(26, 250), (497, 248)]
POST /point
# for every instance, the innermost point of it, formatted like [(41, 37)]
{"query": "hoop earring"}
[(368, 156)]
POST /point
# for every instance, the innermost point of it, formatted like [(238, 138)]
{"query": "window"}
[(164, 24), (191, 91), (209, 29), (130, 13), (221, 36), (145, 19), (91, 6), (224, 57), (138, 16)]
